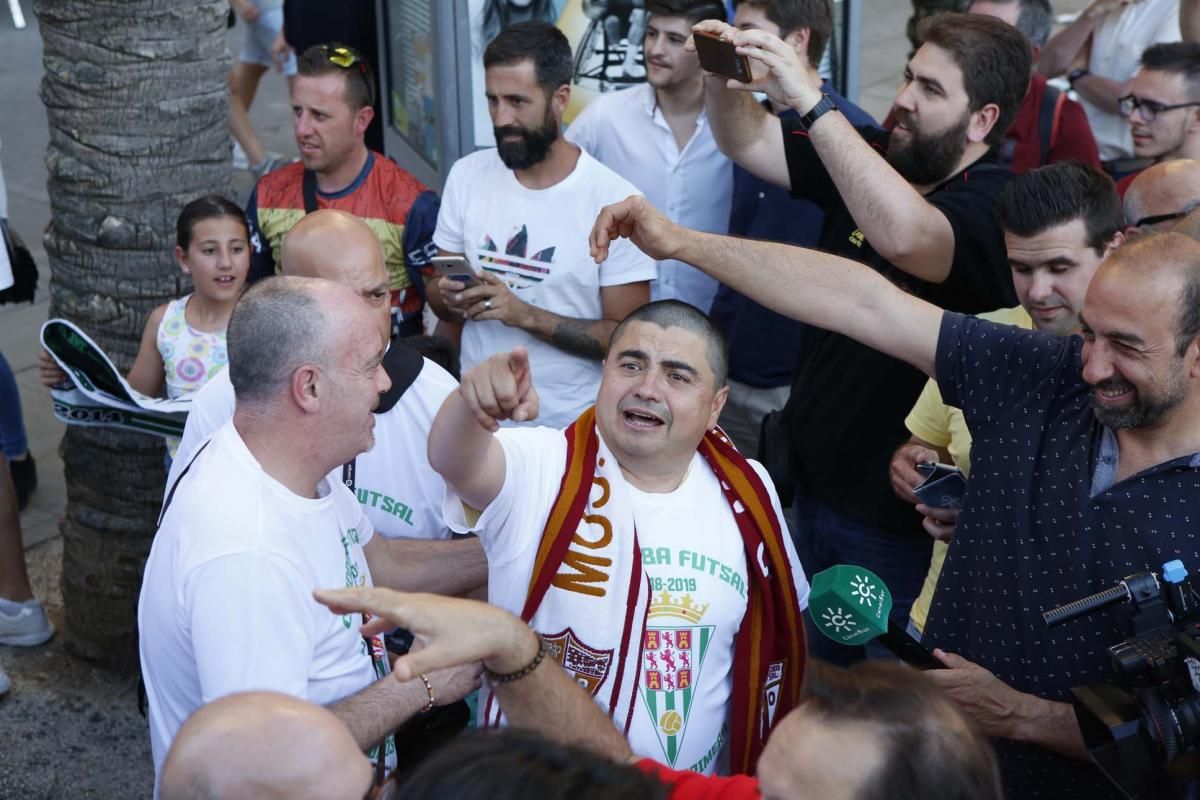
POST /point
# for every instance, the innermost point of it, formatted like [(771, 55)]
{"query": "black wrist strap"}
[(823, 106)]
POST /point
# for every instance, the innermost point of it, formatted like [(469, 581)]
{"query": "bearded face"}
[(922, 157)]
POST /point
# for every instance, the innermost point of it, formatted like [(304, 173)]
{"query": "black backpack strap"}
[(1048, 113), (403, 364), (171, 494), (309, 188)]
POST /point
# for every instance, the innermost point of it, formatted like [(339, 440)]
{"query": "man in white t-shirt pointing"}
[(649, 554), (519, 213), (253, 525)]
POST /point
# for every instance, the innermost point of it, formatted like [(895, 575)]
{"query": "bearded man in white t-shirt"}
[(254, 524), (649, 554), (520, 214)]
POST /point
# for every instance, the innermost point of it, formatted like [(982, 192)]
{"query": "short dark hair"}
[(994, 58), (691, 10), (540, 42), (792, 15), (211, 206), (1056, 194), (510, 764), (276, 327), (1180, 58), (930, 747), (677, 314), (360, 80)]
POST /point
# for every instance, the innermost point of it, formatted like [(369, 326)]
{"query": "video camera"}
[(1143, 729)]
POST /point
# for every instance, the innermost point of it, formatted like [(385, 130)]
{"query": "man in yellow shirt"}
[(1059, 223)]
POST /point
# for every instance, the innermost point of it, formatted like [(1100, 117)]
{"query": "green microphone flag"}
[(850, 604)]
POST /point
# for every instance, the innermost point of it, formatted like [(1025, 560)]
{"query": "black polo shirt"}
[(1032, 536), (848, 402)]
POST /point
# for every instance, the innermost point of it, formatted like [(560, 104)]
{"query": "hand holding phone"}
[(721, 57), (456, 268), (943, 487)]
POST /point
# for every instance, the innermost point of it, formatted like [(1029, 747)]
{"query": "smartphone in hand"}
[(943, 487), (456, 268), (721, 57)]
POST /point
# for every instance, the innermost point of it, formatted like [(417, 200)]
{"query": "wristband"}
[(823, 106), (496, 677), (1076, 74), (429, 691)]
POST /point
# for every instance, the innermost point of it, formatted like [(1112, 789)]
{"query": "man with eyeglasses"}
[(1098, 54), (1163, 105), (331, 109)]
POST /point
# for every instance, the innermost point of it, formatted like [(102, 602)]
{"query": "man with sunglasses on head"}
[(331, 109), (1163, 105)]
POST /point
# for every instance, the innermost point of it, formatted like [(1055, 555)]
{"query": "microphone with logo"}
[(852, 606)]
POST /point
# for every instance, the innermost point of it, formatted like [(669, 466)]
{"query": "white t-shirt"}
[(693, 554), (400, 493), (537, 241), (226, 603), (627, 132), (1117, 46)]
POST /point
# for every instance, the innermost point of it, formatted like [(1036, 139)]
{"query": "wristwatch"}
[(823, 105), (1076, 74)]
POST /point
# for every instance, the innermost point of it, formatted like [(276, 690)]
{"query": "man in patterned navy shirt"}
[(1086, 461)]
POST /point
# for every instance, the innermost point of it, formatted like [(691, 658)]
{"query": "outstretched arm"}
[(451, 631), (452, 567), (820, 289)]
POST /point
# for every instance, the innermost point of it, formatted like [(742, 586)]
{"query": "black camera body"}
[(1143, 730)]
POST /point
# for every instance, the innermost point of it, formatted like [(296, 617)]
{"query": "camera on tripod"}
[(1143, 729)]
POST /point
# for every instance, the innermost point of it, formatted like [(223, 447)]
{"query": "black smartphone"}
[(721, 57), (943, 487), (456, 268)]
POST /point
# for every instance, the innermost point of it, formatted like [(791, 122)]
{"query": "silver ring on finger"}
[(488, 304)]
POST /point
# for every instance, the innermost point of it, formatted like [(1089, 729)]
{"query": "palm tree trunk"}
[(135, 95)]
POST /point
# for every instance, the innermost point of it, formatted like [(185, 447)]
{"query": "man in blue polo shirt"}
[(762, 344), (1086, 461)]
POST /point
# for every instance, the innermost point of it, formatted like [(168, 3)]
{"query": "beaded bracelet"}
[(429, 691), (496, 677)]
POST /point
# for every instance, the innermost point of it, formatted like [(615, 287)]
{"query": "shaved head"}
[(340, 247), (1165, 188), (263, 745)]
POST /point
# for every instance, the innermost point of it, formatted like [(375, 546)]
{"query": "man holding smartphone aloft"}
[(917, 205), (521, 214)]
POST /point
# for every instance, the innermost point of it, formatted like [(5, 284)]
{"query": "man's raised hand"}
[(635, 219), (501, 388), (786, 81)]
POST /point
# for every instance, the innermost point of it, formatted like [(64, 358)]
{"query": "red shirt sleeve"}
[(1075, 139), (685, 785)]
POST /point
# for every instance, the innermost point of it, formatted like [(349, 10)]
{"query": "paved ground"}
[(67, 729)]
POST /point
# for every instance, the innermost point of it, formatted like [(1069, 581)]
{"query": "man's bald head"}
[(340, 247), (263, 745), (1163, 189)]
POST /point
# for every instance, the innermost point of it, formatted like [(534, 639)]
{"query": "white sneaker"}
[(4, 683), (27, 627)]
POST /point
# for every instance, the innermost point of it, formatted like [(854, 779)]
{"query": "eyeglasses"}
[(1146, 222), (1150, 108)]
